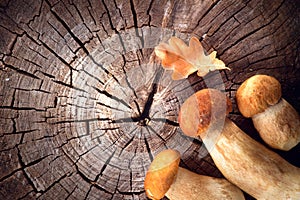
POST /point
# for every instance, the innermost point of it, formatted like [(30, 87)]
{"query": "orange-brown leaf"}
[(185, 60)]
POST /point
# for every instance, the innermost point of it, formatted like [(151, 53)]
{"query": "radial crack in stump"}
[(117, 126)]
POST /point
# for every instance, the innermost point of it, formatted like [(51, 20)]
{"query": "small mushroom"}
[(166, 178), (277, 122), (243, 161)]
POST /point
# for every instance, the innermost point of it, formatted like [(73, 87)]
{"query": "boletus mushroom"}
[(166, 178), (277, 122), (243, 161)]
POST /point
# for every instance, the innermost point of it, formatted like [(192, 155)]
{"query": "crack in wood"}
[(246, 36), (206, 14)]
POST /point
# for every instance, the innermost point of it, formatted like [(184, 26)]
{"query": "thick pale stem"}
[(192, 186), (279, 125), (254, 168)]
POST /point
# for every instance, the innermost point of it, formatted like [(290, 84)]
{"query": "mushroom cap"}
[(257, 93), (161, 173), (202, 110)]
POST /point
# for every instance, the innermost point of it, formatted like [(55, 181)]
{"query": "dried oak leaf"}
[(185, 60)]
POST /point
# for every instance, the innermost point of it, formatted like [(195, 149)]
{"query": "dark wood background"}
[(83, 111)]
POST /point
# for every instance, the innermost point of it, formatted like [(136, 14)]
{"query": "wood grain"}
[(85, 106)]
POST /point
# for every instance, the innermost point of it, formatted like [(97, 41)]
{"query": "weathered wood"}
[(84, 105)]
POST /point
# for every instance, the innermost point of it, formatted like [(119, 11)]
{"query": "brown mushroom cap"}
[(161, 173), (202, 109), (257, 93)]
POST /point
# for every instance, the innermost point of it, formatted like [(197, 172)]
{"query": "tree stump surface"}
[(85, 105)]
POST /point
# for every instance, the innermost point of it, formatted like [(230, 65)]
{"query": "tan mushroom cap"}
[(203, 108), (161, 173), (257, 93)]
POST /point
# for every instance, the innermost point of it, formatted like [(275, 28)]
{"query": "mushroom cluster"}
[(244, 162)]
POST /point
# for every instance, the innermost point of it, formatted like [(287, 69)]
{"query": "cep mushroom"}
[(166, 178), (243, 161), (277, 122)]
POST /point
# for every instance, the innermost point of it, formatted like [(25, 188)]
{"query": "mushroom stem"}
[(191, 186), (279, 125), (252, 167)]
